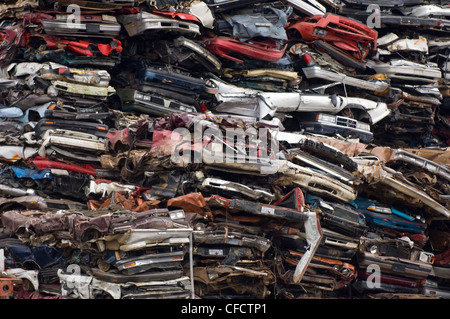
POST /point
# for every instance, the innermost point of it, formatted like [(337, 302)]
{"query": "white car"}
[(236, 100)]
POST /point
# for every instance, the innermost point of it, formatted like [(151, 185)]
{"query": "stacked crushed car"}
[(224, 149)]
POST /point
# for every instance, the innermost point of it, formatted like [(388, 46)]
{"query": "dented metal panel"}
[(137, 24), (313, 237), (88, 26), (141, 238), (317, 72), (377, 173)]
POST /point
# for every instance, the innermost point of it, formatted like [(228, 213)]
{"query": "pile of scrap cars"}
[(224, 149)]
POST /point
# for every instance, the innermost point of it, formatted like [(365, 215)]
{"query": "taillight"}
[(308, 59)]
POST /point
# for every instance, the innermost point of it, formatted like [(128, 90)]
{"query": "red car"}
[(235, 50), (341, 37)]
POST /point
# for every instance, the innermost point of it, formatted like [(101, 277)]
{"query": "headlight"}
[(326, 118), (320, 32), (379, 209), (363, 126)]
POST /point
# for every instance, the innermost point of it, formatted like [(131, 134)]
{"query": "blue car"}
[(385, 216)]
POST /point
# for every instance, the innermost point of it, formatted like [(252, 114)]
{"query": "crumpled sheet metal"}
[(84, 287), (215, 279), (313, 237), (374, 173), (137, 201), (16, 10), (76, 225), (246, 27)]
